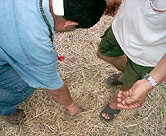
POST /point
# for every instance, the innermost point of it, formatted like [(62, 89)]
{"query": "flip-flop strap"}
[(117, 75), (108, 110), (113, 79)]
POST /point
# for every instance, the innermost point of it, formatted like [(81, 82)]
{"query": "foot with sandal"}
[(115, 79), (111, 110)]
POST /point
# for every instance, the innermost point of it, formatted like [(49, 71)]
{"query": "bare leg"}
[(118, 62), (62, 96)]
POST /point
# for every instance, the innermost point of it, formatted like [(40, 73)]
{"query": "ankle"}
[(72, 104), (73, 109), (113, 106)]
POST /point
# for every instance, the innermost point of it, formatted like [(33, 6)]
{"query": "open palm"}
[(135, 96)]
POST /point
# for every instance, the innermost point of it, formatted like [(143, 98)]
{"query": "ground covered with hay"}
[(85, 76)]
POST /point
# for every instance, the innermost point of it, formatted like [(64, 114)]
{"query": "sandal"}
[(16, 118), (113, 79), (110, 113)]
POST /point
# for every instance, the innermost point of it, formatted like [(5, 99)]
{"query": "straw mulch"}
[(85, 76)]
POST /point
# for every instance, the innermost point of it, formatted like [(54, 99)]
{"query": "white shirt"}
[(140, 29)]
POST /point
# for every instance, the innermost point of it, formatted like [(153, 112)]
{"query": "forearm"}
[(62, 95), (159, 72)]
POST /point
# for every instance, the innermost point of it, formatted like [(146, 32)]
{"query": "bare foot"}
[(73, 109)]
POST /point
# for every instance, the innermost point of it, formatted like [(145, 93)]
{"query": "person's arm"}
[(135, 97), (112, 7)]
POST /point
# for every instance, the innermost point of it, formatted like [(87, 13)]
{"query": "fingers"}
[(133, 106), (111, 11), (127, 97), (123, 94), (128, 103), (114, 12), (126, 100)]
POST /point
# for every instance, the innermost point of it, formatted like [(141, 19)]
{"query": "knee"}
[(98, 54), (105, 58)]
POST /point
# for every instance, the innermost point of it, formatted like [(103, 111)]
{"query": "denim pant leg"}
[(13, 90)]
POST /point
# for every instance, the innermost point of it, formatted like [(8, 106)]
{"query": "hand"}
[(135, 96), (112, 7)]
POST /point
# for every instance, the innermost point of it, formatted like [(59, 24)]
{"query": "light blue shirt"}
[(25, 42)]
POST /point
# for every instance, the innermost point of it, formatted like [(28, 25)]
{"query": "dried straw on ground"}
[(85, 76)]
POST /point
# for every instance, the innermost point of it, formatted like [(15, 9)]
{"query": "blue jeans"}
[(13, 90)]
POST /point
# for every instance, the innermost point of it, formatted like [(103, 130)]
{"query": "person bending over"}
[(28, 58)]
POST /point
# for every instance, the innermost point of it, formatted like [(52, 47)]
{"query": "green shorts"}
[(134, 72), (109, 47)]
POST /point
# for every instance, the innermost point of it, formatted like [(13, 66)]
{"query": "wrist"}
[(147, 84), (150, 79)]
